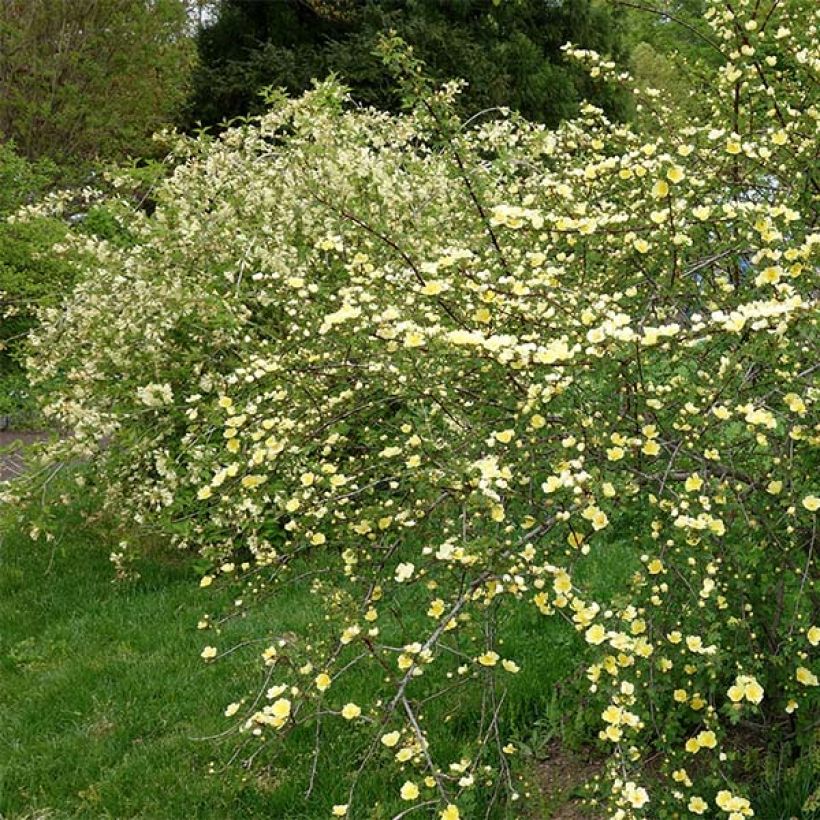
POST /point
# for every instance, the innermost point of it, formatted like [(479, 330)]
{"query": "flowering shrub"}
[(431, 372)]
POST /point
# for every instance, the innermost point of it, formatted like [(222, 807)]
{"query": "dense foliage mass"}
[(90, 78), (29, 275), (434, 372), (509, 53)]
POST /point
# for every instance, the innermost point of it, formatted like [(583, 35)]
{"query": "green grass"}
[(102, 690), (104, 698), (103, 694)]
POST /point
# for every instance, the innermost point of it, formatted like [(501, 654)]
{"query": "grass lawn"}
[(103, 696), (102, 690)]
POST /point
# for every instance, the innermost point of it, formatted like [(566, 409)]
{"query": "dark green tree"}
[(509, 53)]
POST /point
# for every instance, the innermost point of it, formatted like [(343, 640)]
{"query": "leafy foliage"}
[(90, 78), (28, 274), (32, 277)]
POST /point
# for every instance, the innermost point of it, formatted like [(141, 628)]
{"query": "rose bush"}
[(431, 371)]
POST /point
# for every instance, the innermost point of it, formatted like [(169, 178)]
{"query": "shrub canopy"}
[(439, 374), (29, 275)]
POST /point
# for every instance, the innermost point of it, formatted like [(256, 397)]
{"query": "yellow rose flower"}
[(409, 791), (350, 711)]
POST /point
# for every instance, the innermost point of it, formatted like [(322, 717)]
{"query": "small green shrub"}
[(29, 275)]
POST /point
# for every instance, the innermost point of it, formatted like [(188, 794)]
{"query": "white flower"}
[(155, 395)]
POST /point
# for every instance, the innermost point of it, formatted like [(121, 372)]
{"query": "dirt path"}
[(11, 463), (561, 776)]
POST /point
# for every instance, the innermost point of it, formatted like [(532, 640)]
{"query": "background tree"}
[(671, 50), (83, 79), (509, 53)]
